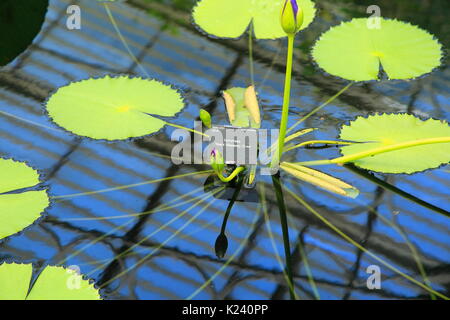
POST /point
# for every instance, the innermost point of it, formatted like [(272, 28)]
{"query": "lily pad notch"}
[(20, 204), (231, 18), (356, 51)]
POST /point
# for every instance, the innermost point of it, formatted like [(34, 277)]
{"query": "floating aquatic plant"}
[(231, 18), (53, 283), (114, 108), (15, 35), (19, 206), (390, 130), (354, 51)]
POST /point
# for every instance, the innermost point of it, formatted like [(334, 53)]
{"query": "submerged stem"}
[(285, 229)]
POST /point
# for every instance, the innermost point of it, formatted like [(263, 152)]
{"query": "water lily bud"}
[(205, 117), (291, 17), (217, 162), (230, 105), (221, 245)]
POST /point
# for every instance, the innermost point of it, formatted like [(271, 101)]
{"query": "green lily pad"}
[(231, 18), (114, 108), (54, 283), (20, 22), (18, 210), (390, 129), (355, 52)]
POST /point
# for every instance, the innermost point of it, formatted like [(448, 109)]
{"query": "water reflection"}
[(174, 222)]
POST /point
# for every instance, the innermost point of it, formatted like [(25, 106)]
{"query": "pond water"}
[(133, 250)]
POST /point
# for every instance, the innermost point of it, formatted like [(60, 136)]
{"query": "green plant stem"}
[(187, 129), (230, 205), (285, 229), (231, 176), (375, 151), (122, 39), (317, 109), (287, 95), (307, 143), (250, 53)]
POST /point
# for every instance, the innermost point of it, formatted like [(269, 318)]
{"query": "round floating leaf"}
[(20, 22), (54, 283), (390, 129), (355, 50), (113, 108), (19, 210), (231, 18)]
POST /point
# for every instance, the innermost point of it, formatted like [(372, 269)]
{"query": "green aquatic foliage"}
[(231, 18), (355, 51), (53, 283), (379, 132), (19, 208), (114, 108), (15, 35)]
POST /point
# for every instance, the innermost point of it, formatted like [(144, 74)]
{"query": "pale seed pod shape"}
[(230, 105), (251, 103)]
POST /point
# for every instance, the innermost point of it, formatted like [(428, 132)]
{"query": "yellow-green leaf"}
[(114, 108), (54, 283), (231, 18), (355, 50), (14, 281), (390, 129), (18, 209)]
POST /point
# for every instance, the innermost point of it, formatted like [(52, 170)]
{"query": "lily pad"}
[(114, 108), (54, 283), (354, 51), (19, 209), (20, 22), (390, 129), (231, 18)]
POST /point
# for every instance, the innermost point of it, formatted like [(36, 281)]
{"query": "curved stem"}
[(287, 95), (231, 176), (230, 205), (375, 151)]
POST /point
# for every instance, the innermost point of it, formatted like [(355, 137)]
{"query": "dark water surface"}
[(178, 261)]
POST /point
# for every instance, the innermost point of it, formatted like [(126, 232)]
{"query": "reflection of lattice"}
[(207, 67)]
